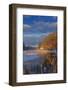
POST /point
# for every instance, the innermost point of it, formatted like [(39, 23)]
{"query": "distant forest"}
[(27, 48)]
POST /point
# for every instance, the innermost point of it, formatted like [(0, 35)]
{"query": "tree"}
[(49, 42)]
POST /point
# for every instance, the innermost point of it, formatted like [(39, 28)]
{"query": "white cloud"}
[(26, 26), (35, 35), (49, 24), (41, 27), (44, 25), (53, 24)]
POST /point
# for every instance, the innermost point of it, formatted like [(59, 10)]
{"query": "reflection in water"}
[(39, 61)]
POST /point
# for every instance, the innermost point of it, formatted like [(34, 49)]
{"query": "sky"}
[(36, 27)]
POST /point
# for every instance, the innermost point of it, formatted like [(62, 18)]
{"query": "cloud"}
[(26, 26), (35, 35), (40, 27), (53, 24), (45, 26)]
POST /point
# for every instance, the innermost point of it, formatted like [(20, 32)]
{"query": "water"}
[(33, 63), (30, 55)]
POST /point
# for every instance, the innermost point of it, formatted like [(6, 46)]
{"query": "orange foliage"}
[(49, 42)]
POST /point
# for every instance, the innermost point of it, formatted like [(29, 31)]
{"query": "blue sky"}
[(36, 27), (30, 19), (39, 24)]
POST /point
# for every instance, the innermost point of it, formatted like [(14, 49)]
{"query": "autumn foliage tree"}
[(50, 43)]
